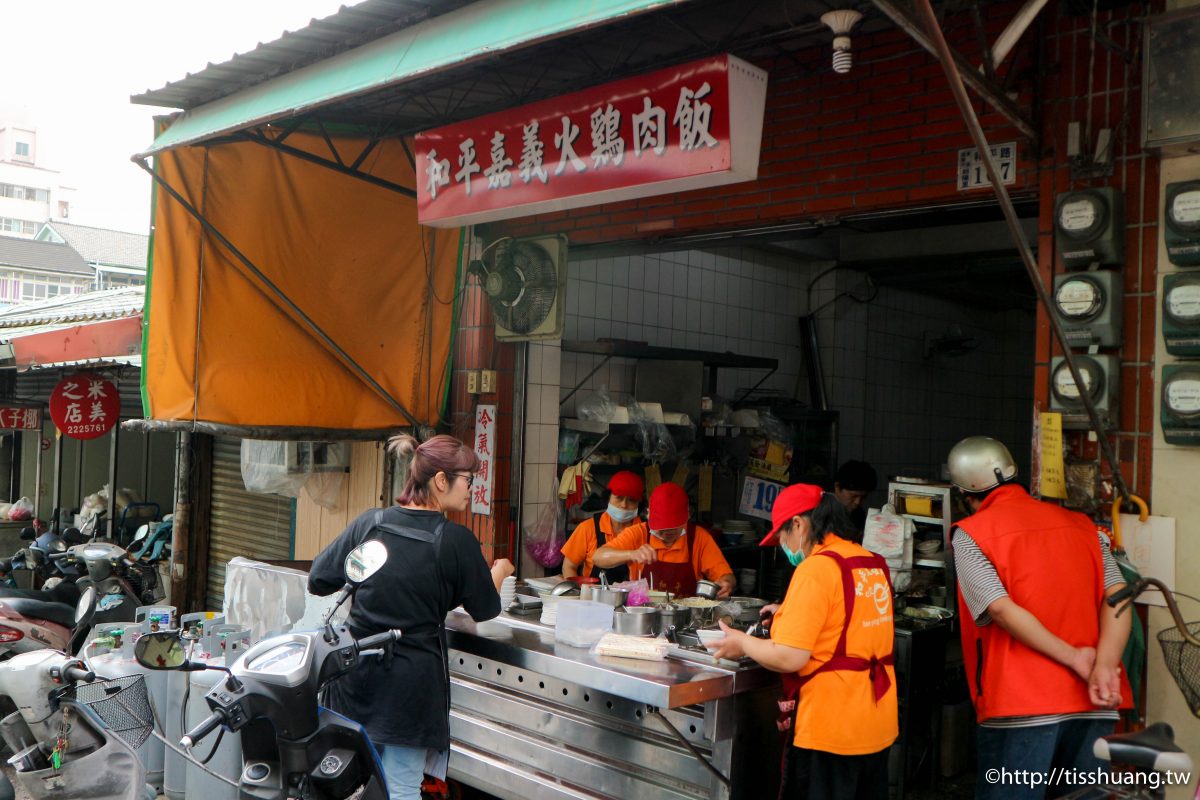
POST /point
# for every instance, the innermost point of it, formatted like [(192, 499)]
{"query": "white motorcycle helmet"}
[(979, 464)]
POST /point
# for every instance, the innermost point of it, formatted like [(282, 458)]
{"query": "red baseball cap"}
[(668, 507), (627, 484), (799, 498)]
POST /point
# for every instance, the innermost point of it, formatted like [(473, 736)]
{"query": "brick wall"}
[(476, 348), (886, 135)]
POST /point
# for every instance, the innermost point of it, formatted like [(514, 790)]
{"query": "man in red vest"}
[(1041, 648)]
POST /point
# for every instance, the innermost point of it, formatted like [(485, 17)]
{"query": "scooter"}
[(32, 619), (62, 730), (291, 746)]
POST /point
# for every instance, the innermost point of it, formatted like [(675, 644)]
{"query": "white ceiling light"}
[(840, 22)]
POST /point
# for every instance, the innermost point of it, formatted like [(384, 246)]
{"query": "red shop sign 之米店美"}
[(691, 126), (84, 406)]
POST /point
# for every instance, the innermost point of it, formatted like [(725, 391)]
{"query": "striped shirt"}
[(981, 586)]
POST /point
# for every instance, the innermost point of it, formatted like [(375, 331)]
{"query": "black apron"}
[(615, 574)]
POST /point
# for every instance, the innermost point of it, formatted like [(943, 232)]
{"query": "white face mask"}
[(621, 514)]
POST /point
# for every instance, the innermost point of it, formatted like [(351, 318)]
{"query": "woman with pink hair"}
[(433, 566)]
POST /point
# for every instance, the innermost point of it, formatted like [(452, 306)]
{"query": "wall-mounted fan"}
[(525, 281)]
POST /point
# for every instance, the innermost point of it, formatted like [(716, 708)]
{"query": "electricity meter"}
[(1101, 377), (1089, 305), (1181, 314), (1089, 227), (1179, 413), (1182, 231)]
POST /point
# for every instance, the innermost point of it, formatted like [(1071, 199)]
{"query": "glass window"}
[(22, 149)]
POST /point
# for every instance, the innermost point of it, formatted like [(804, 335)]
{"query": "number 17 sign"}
[(758, 497)]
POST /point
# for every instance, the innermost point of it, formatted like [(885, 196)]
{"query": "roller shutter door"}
[(248, 524)]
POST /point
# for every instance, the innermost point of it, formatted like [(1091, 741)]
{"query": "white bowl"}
[(710, 637)]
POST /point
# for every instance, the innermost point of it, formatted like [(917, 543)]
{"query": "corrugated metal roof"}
[(43, 256), (121, 361), (352, 25), (68, 310), (104, 246)]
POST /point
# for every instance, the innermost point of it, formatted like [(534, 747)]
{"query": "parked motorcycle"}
[(291, 746), (75, 736), (119, 581), (32, 619)]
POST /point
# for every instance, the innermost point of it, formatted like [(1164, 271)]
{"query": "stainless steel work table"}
[(531, 718)]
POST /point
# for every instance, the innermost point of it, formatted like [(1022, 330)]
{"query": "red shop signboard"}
[(691, 126), (20, 418), (84, 406)]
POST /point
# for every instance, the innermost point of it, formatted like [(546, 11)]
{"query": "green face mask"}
[(793, 558)]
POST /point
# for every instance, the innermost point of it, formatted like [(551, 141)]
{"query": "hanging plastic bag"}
[(657, 445), (890, 535), (545, 538), (598, 406), (21, 510)]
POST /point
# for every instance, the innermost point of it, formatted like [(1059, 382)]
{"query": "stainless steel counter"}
[(523, 642), (531, 718)]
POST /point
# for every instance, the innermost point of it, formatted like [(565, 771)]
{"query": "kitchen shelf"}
[(619, 348)]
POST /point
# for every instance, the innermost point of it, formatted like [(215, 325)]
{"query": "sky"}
[(69, 68)]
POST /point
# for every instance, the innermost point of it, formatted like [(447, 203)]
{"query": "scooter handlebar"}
[(73, 674), (378, 640), (197, 733)]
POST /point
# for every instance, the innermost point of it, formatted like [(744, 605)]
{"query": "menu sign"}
[(690, 126), (485, 449), (85, 407)]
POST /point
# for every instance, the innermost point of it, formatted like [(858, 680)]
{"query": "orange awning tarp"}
[(221, 348)]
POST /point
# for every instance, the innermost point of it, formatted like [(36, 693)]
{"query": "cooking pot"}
[(565, 587), (672, 615), (609, 596), (637, 621), (707, 589)]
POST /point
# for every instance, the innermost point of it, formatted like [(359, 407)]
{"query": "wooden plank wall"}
[(316, 526)]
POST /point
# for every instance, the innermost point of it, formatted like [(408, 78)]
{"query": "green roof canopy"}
[(476, 31)]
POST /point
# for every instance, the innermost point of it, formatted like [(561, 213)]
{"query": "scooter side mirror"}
[(28, 534), (86, 606), (74, 536), (364, 561), (361, 563), (161, 650)]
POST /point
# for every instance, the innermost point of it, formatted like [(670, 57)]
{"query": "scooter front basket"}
[(122, 704)]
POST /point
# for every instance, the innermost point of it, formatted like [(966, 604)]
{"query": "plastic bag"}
[(774, 427), (639, 592), (657, 445), (890, 535), (545, 538), (21, 510), (598, 406)]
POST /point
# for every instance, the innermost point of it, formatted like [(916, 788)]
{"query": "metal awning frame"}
[(338, 163), (935, 44), (277, 297)]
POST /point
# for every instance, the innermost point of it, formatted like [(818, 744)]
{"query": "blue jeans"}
[(404, 769), (1016, 763)]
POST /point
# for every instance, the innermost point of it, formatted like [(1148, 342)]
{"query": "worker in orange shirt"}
[(672, 553), (626, 491), (832, 640)]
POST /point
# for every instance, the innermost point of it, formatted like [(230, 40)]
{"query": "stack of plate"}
[(550, 607), (508, 590)]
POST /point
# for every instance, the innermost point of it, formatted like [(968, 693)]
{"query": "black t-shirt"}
[(407, 701)]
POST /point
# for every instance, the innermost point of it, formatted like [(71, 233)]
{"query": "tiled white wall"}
[(725, 300), (902, 410), (540, 478)]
